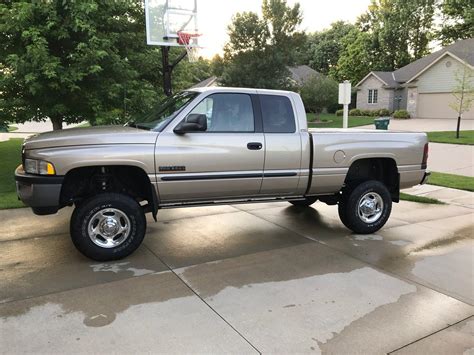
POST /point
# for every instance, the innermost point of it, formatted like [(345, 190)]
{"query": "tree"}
[(458, 20), (357, 58), (463, 93), (70, 61), (401, 30), (260, 49), (324, 47), (319, 92)]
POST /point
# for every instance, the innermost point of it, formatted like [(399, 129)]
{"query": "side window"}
[(227, 113), (277, 114)]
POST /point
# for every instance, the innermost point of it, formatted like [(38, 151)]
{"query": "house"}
[(423, 87)]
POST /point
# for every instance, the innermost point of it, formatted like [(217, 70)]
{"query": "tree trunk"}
[(457, 128), (57, 122)]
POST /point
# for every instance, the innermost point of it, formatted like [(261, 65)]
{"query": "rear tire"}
[(365, 208), (308, 201), (108, 226)]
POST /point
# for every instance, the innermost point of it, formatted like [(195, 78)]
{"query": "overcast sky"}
[(215, 15)]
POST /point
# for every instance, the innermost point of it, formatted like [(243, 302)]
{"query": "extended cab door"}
[(283, 147), (224, 161)]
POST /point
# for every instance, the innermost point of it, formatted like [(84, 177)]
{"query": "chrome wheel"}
[(109, 228), (370, 207)]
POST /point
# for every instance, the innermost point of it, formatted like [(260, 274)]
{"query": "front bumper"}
[(41, 193), (425, 177)]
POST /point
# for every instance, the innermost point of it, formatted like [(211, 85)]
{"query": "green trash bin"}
[(382, 123)]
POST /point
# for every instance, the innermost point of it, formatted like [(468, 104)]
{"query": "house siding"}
[(385, 96), (440, 78)]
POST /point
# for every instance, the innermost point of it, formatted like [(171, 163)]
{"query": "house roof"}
[(211, 81), (462, 50), (301, 73)]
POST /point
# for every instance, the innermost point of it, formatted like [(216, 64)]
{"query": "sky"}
[(215, 16)]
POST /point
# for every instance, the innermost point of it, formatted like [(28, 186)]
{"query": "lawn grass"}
[(330, 120), (12, 128), (465, 137), (10, 151), (419, 199), (453, 181)]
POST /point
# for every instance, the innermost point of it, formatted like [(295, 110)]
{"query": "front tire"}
[(108, 226), (308, 201), (365, 208)]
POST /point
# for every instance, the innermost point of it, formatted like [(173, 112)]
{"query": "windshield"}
[(164, 112)]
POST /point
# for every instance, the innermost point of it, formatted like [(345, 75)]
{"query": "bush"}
[(401, 114), (383, 112), (365, 113), (318, 93), (355, 112), (339, 112)]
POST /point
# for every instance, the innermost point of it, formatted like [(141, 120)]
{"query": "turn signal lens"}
[(41, 167)]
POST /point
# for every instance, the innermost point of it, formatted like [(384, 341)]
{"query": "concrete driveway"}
[(244, 279)]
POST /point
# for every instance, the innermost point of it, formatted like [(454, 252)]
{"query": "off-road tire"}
[(85, 212), (348, 206)]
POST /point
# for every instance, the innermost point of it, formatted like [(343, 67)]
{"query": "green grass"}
[(452, 181), (465, 137), (82, 125), (419, 199), (12, 128), (329, 120), (10, 151)]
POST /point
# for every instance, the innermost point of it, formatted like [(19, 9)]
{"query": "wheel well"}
[(381, 169), (83, 182)]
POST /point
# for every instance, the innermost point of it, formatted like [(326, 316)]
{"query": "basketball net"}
[(184, 38)]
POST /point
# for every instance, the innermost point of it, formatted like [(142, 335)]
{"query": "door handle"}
[(254, 146)]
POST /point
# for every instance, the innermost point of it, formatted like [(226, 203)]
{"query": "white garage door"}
[(437, 106)]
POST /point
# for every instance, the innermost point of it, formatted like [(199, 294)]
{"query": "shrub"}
[(339, 112), (383, 112), (355, 112), (365, 112), (374, 113), (401, 114), (318, 93)]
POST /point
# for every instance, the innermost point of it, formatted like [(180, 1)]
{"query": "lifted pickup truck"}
[(213, 146)]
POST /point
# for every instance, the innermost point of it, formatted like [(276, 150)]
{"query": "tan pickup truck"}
[(213, 146)]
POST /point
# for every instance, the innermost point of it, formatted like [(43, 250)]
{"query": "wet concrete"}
[(243, 278)]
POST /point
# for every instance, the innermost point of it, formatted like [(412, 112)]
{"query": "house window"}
[(373, 96)]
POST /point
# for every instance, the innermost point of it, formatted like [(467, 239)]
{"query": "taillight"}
[(424, 162)]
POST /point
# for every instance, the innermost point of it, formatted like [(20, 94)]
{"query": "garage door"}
[(437, 106)]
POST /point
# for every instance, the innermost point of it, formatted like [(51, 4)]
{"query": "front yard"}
[(11, 158), (465, 137), (330, 120)]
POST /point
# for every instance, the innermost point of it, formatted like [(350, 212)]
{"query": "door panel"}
[(282, 164), (217, 165), (282, 167)]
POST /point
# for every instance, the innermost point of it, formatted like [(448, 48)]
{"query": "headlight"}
[(33, 166)]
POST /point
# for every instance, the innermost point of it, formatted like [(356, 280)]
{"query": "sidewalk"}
[(444, 194)]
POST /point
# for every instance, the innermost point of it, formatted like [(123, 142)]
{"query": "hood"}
[(90, 136)]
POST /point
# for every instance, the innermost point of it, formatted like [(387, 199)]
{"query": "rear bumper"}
[(41, 193), (425, 177)]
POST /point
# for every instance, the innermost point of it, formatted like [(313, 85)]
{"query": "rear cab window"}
[(277, 114)]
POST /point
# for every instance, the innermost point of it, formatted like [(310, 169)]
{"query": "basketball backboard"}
[(165, 19)]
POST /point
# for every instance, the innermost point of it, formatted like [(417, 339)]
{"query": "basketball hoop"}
[(184, 39)]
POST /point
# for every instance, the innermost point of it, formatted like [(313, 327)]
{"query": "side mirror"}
[(193, 123)]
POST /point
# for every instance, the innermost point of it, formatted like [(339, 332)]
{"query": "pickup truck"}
[(213, 146)]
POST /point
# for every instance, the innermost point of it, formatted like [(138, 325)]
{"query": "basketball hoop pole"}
[(167, 68)]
